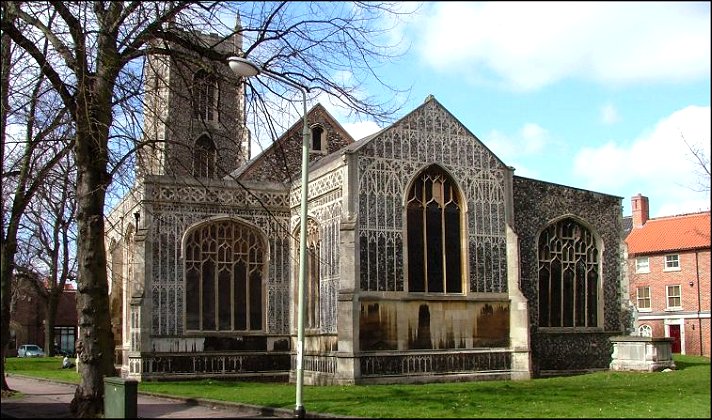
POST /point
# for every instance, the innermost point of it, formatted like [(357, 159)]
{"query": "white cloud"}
[(359, 130), (527, 45), (657, 164), (534, 138), (609, 114), (357, 127), (528, 142)]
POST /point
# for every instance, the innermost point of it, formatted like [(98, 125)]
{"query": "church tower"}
[(194, 113)]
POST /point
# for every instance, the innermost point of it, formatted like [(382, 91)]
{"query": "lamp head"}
[(243, 67)]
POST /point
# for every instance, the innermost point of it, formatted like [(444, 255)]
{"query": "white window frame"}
[(672, 262), (669, 296), (642, 265), (649, 299), (645, 330)]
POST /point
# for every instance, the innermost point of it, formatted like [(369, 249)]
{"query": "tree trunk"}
[(7, 262), (50, 315), (7, 255), (95, 342)]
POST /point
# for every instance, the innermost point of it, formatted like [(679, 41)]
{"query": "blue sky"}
[(586, 94)]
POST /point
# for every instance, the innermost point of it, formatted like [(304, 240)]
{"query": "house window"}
[(672, 262), (642, 265), (318, 141), (674, 297), (433, 229), (205, 96), (224, 264), (204, 155), (64, 339), (644, 298), (645, 331), (569, 276), (312, 278)]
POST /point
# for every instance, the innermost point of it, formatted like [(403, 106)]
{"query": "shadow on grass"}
[(688, 362)]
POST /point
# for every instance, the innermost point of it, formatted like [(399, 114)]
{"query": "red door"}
[(675, 335)]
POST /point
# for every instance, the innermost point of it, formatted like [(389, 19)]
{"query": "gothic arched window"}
[(205, 96), (312, 280), (434, 234), (204, 155), (569, 276), (224, 268)]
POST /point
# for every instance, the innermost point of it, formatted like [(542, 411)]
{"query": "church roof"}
[(284, 145), (354, 146), (671, 233)]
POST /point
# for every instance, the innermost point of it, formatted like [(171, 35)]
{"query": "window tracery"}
[(312, 280), (397, 156), (204, 157), (205, 96), (224, 266), (569, 276), (434, 234)]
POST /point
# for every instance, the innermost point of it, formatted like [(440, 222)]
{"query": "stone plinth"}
[(641, 353)]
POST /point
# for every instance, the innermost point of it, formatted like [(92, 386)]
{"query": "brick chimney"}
[(641, 210)]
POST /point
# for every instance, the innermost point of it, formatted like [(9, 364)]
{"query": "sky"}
[(600, 96)]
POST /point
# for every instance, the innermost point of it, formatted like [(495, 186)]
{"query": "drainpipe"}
[(699, 305)]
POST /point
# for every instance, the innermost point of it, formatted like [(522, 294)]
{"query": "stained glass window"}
[(568, 276), (224, 263), (434, 234), (312, 279)]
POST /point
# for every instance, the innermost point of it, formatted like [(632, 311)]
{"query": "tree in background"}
[(701, 163), (48, 240), (94, 64), (33, 139)]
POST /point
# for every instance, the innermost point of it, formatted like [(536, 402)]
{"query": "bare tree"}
[(701, 163), (94, 65), (29, 151), (50, 238)]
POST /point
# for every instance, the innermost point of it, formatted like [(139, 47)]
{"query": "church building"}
[(428, 259)]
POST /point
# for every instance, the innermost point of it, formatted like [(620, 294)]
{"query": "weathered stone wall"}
[(536, 205)]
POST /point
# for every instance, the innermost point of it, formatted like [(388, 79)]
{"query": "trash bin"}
[(120, 398)]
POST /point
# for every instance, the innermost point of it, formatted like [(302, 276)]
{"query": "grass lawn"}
[(683, 393)]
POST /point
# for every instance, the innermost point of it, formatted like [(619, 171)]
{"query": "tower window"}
[(205, 96), (204, 155)]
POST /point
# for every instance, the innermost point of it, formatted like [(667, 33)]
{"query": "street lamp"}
[(245, 68)]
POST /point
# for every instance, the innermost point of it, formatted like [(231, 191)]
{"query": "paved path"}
[(46, 399)]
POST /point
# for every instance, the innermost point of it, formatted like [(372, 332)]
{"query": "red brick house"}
[(27, 320), (669, 276)]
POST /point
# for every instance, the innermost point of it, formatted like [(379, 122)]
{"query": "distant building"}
[(669, 276), (27, 320)]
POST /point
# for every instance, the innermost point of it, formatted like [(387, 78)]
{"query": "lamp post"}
[(245, 68)]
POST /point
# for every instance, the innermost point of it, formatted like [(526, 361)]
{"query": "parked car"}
[(30, 350)]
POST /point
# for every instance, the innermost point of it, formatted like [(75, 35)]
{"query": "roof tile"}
[(672, 233)]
